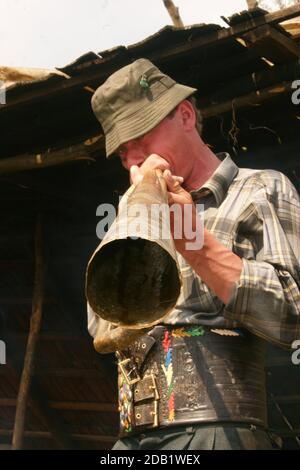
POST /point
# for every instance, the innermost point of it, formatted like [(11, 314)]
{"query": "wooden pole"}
[(174, 13), (252, 4), (35, 326), (44, 160), (78, 437), (251, 99)]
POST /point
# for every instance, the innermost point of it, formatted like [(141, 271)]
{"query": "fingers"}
[(173, 182), (152, 162), (135, 174), (156, 162)]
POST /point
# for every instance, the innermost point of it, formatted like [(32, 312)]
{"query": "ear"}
[(188, 115)]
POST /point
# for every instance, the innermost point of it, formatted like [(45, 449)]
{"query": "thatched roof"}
[(19, 75)]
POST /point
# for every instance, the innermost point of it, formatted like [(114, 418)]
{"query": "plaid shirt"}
[(255, 214)]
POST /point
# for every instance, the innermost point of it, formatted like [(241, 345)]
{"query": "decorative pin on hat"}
[(144, 81)]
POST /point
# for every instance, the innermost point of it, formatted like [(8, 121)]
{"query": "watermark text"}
[(2, 92), (153, 222), (296, 93), (296, 353), (2, 352)]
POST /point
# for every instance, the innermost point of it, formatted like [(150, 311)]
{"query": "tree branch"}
[(252, 4), (174, 13)]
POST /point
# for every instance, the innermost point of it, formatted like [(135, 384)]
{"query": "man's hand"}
[(153, 162), (176, 193), (218, 267)]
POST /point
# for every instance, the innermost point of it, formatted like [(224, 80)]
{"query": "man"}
[(200, 374)]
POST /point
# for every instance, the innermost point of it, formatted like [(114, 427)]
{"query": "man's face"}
[(165, 140)]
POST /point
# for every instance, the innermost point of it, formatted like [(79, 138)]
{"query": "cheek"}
[(158, 146), (165, 140)]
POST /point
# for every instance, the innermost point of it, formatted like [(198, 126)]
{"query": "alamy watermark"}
[(296, 353), (2, 352), (296, 93), (152, 222), (2, 92)]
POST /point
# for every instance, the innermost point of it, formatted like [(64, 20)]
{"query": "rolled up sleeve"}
[(266, 298)]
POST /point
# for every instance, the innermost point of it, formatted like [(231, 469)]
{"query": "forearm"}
[(218, 267)]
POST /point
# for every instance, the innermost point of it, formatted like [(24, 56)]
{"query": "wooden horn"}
[(133, 279)]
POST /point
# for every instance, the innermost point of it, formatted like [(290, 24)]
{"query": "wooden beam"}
[(94, 438), (84, 406), (35, 325), (252, 81), (99, 74), (48, 435), (218, 72), (251, 99), (66, 372), (76, 336), (25, 301), (44, 160), (68, 405), (286, 399), (50, 418), (68, 309), (272, 44), (69, 372), (42, 188), (285, 433), (37, 402)]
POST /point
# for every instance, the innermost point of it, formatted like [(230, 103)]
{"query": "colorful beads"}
[(168, 371), (183, 332), (125, 406)]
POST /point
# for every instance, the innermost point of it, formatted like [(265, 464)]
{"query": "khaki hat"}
[(135, 99)]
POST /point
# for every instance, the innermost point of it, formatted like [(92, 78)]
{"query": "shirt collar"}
[(219, 181)]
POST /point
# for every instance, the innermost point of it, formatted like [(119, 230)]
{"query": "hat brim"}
[(146, 118)]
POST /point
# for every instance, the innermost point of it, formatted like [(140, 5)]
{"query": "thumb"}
[(135, 174), (173, 182)]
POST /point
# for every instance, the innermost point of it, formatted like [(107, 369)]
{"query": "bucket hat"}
[(133, 100)]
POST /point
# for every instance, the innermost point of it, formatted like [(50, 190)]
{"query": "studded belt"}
[(174, 376)]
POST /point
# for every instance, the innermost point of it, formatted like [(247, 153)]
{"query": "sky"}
[(53, 33)]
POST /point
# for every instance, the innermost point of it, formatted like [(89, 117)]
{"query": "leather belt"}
[(174, 376)]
